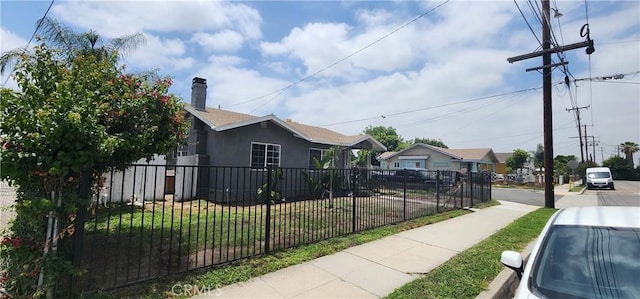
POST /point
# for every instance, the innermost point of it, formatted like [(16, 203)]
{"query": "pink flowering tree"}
[(71, 120)]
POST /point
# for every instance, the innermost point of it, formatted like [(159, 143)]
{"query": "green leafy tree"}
[(620, 169), (71, 120), (72, 43), (560, 164), (538, 156), (363, 156), (517, 159), (629, 148), (429, 141), (387, 136)]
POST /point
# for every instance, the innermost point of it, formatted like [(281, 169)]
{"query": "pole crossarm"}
[(544, 66), (587, 43)]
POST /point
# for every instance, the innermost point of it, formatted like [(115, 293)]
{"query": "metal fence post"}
[(267, 240), (404, 195), (437, 191), (84, 191), (462, 192), (490, 189), (471, 187), (353, 200)]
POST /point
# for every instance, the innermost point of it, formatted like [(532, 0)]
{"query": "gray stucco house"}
[(223, 138), (431, 157)]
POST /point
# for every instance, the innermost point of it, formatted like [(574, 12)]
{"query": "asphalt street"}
[(627, 193)]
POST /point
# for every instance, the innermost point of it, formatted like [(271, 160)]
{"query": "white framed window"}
[(265, 155), (396, 164), (315, 154)]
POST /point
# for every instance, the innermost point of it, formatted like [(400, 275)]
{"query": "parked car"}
[(599, 177), (497, 177), (583, 252), (411, 175)]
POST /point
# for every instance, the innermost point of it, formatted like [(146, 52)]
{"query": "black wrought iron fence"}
[(152, 221)]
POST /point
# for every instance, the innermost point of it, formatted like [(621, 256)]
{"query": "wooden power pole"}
[(577, 109), (546, 67)]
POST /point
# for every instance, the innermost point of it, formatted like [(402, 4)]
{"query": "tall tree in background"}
[(387, 136), (629, 148), (429, 141), (560, 166), (517, 160), (72, 43), (538, 156)]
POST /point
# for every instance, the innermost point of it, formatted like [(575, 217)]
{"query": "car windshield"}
[(588, 262), (598, 175)]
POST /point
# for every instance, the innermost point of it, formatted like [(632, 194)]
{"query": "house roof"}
[(222, 120), (386, 155), (502, 157), (470, 154)]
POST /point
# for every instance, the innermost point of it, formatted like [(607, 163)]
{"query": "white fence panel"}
[(136, 183), (186, 178)]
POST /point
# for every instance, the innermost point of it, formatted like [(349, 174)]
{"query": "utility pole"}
[(577, 109), (602, 153), (546, 52), (593, 144), (586, 142)]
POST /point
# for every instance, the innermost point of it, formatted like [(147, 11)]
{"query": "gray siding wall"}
[(233, 147)]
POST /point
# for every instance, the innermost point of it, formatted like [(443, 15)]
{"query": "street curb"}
[(506, 283)]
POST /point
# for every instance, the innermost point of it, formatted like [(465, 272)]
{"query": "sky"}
[(429, 69)]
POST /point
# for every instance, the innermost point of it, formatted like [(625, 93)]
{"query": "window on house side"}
[(318, 154), (396, 164), (265, 155)]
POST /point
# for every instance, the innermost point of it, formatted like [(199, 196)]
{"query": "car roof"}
[(611, 216), (595, 169)]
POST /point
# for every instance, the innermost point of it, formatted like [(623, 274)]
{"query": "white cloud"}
[(115, 18), (10, 41), (229, 84), (456, 53), (165, 54), (223, 41)]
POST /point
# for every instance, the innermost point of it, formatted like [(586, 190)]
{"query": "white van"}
[(599, 177)]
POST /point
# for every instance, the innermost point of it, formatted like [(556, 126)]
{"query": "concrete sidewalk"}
[(375, 269)]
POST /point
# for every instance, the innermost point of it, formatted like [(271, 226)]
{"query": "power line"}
[(458, 112), (619, 42), (432, 107), (30, 40), (527, 21), (281, 90)]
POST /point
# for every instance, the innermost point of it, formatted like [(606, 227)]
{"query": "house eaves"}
[(428, 146), (373, 141), (258, 120), (232, 120)]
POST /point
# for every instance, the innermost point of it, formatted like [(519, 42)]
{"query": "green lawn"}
[(126, 243), (246, 269), (471, 271)]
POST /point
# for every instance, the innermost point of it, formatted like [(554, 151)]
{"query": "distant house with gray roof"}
[(431, 157)]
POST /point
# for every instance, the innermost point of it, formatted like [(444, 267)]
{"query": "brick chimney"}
[(199, 93)]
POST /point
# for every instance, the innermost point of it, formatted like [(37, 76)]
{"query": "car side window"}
[(581, 260)]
